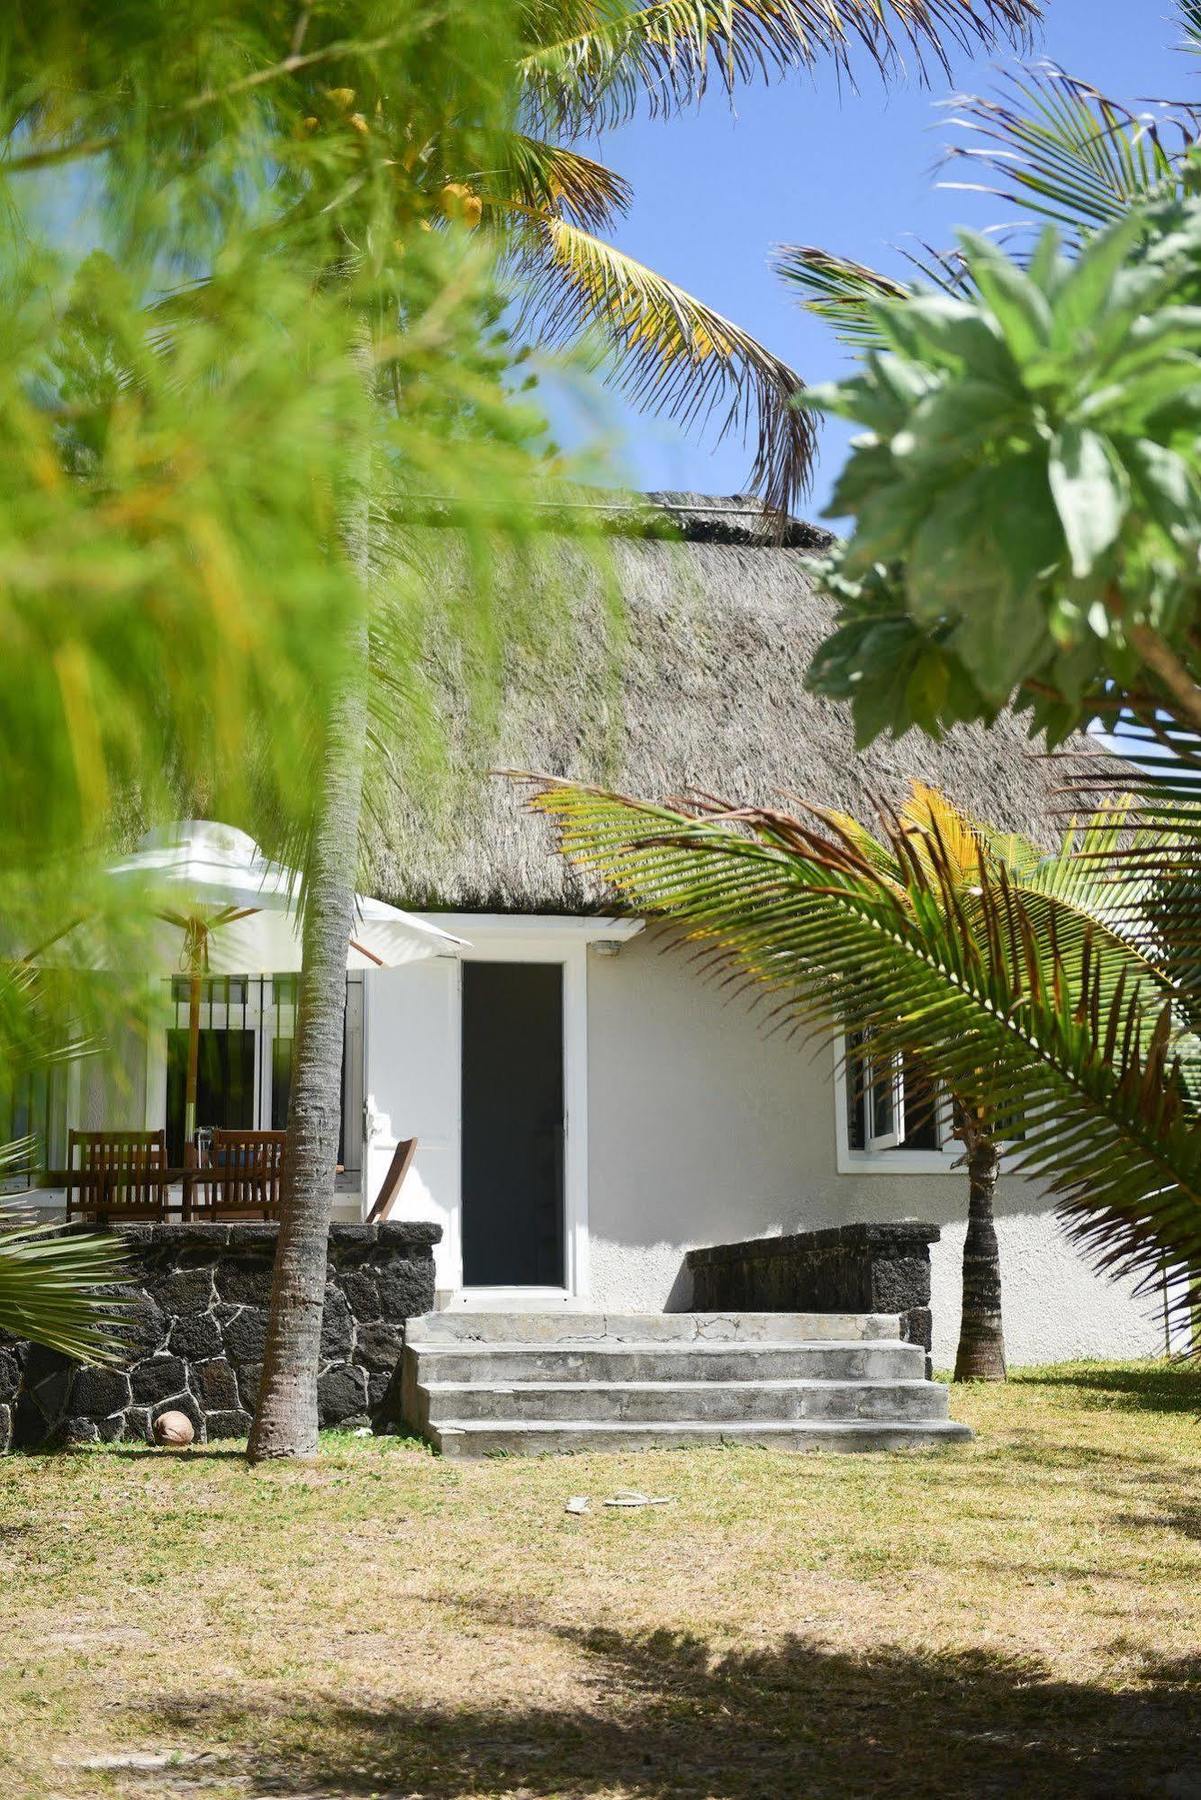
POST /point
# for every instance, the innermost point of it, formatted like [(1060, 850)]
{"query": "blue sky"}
[(855, 172)]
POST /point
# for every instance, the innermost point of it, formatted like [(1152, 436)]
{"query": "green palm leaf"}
[(1050, 146), (844, 292), (1057, 148), (56, 1286)]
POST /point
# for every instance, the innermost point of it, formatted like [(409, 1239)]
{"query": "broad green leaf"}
[(989, 538), (953, 334), (1021, 309), (1049, 268), (1086, 296), (1091, 494), (1167, 487), (983, 554), (926, 690), (957, 420)]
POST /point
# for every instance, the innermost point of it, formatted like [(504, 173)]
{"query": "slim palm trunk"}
[(981, 1354), (285, 1422)]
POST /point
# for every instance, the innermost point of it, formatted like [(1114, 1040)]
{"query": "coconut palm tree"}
[(581, 65), (1024, 984)]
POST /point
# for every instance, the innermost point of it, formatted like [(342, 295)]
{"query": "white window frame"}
[(882, 1154)]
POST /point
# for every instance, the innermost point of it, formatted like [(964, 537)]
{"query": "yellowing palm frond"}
[(673, 353), (930, 822), (593, 63)]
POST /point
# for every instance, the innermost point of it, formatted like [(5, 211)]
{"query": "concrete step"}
[(678, 1402), (489, 1363), (527, 1384), (533, 1438), (648, 1328)]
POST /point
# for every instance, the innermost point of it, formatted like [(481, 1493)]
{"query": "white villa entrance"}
[(483, 1059)]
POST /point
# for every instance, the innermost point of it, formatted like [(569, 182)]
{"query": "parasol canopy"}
[(206, 901)]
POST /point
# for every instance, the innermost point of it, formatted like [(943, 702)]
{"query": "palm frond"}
[(1057, 148), (592, 62), (845, 292), (1010, 998), (549, 180), (56, 1286), (839, 290), (1189, 14), (674, 354)]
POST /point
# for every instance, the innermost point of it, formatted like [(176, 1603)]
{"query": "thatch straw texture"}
[(697, 684)]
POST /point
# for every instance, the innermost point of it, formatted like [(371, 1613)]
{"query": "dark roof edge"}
[(735, 519)]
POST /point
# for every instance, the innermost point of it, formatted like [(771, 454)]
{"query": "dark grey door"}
[(512, 1145)]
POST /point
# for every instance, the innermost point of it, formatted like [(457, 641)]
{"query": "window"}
[(244, 1075), (892, 1115), (892, 1105), (215, 990)]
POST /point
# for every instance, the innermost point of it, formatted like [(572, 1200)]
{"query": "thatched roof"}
[(698, 684)]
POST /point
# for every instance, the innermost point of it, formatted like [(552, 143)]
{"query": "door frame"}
[(517, 938)]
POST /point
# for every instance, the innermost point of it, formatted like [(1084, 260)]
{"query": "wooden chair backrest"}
[(128, 1157), (253, 1162), (393, 1181)]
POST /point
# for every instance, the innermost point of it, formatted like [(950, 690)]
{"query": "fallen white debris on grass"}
[(631, 1497)]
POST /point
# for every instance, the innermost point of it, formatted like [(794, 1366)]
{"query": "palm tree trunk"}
[(981, 1354), (285, 1422)]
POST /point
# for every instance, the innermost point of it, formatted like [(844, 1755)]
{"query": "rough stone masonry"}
[(196, 1331)]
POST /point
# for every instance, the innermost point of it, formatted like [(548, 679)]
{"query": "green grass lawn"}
[(1017, 1617)]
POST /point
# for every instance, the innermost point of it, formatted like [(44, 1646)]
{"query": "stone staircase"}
[(478, 1384)]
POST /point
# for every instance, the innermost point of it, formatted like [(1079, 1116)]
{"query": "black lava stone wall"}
[(196, 1334), (880, 1268)]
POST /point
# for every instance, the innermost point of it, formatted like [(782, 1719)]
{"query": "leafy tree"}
[(943, 943), (222, 423), (1026, 525), (1067, 638), (1062, 395)]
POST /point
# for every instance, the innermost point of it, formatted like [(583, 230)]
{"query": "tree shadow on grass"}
[(666, 1719), (1155, 1387)]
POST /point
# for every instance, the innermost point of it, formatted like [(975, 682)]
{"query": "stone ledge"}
[(868, 1235), (869, 1266), (195, 1329), (394, 1234)]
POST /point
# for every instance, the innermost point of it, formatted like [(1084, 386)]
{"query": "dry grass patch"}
[(1016, 1617)]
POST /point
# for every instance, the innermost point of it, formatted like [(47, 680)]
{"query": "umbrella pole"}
[(189, 1106)]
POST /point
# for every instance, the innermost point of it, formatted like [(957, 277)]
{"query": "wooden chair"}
[(122, 1166), (393, 1181), (251, 1163)]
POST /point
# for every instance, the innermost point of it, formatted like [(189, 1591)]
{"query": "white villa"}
[(586, 1107)]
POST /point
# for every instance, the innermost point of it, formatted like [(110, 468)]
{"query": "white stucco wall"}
[(703, 1129)]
